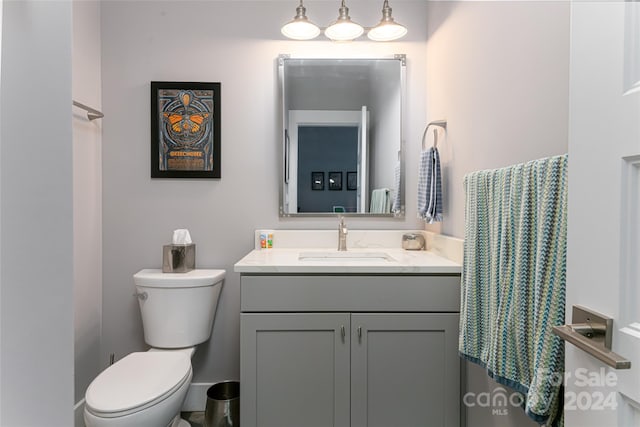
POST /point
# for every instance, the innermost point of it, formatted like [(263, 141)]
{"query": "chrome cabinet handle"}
[(343, 333), (359, 332)]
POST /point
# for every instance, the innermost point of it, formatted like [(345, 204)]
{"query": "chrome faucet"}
[(342, 235)]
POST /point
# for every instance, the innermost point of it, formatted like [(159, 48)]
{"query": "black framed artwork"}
[(352, 181), (185, 130), (317, 181), (335, 181)]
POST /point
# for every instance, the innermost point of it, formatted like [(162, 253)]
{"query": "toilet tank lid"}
[(155, 278)]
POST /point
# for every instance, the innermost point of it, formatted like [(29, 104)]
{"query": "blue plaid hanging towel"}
[(430, 186)]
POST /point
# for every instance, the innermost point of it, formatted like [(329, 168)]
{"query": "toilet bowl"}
[(147, 389), (141, 390)]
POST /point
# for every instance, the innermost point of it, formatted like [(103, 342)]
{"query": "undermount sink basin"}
[(346, 256)]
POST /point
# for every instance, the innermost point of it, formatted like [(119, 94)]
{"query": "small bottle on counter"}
[(266, 239)]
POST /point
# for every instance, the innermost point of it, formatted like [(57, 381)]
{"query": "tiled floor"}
[(196, 419)]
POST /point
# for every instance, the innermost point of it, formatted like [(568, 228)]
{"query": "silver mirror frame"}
[(283, 141)]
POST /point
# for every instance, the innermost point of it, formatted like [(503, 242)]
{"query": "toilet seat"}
[(136, 382)]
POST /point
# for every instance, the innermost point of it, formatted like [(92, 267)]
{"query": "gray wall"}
[(36, 213), (87, 196), (498, 72), (236, 43)]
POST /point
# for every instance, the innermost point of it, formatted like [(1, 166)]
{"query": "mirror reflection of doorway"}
[(326, 132), (319, 146)]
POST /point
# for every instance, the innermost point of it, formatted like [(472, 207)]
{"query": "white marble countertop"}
[(286, 261), (443, 254)]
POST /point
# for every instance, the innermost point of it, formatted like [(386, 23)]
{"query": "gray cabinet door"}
[(294, 370), (405, 370)]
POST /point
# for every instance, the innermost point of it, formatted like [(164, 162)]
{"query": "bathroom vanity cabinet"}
[(350, 350)]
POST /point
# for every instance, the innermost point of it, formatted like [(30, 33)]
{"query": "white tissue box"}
[(178, 258)]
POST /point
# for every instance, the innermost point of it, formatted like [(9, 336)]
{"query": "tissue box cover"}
[(178, 258)]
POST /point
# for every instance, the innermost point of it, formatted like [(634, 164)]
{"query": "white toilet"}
[(147, 389)]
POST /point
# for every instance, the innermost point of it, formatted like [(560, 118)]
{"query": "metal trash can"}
[(223, 405)]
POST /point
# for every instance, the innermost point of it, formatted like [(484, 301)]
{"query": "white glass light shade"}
[(387, 31), (299, 29), (344, 31)]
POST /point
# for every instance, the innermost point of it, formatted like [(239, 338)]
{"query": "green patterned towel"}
[(513, 279)]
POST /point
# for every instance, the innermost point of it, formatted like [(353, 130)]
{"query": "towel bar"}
[(92, 113), (440, 123)]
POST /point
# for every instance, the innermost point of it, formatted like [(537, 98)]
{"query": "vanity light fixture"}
[(300, 28), (387, 29), (343, 28)]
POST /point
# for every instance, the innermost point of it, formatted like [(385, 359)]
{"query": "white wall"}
[(1, 9), (498, 72), (235, 43), (87, 195), (36, 211)]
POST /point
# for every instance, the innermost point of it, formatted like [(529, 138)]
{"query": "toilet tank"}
[(178, 308)]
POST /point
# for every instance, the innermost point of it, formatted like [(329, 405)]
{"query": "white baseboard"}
[(196, 397), (78, 414)]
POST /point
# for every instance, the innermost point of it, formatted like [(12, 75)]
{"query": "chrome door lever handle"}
[(592, 332)]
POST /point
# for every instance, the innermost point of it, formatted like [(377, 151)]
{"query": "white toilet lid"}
[(136, 380)]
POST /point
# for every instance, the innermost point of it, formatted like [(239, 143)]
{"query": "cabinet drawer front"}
[(289, 293)]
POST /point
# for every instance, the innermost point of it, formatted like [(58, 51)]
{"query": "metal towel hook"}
[(440, 123)]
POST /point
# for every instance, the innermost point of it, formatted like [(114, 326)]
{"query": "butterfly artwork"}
[(186, 121), (185, 129)]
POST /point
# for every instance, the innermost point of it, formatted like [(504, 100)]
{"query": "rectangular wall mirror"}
[(342, 136)]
